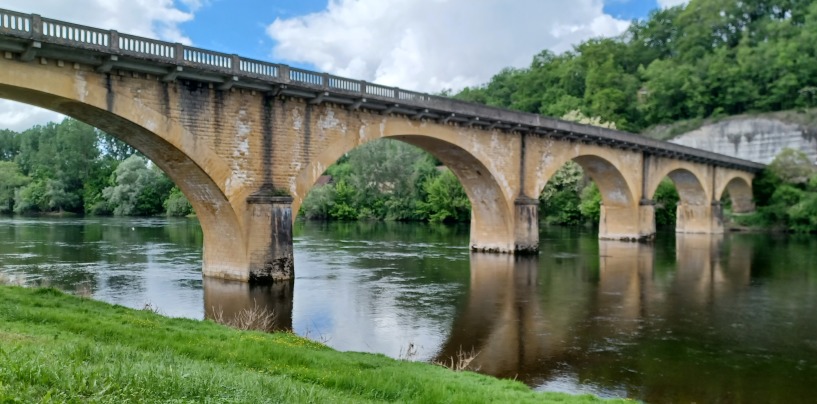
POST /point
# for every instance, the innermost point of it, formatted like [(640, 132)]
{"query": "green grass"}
[(60, 348)]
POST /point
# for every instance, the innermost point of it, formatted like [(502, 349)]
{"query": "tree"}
[(666, 201), (590, 205), (579, 117), (559, 200), (31, 198), (792, 166), (177, 204), (9, 144), (138, 189), (342, 207), (11, 179), (318, 204), (447, 201), (61, 159)]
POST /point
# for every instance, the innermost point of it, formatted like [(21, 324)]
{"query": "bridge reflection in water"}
[(228, 301), (527, 318), (675, 326)]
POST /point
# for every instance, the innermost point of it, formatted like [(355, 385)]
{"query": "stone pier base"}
[(269, 237), (699, 219), (526, 226), (626, 223)]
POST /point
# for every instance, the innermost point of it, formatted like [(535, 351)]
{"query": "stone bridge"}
[(245, 140)]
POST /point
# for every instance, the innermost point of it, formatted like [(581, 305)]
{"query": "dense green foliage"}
[(666, 201), (388, 180), (785, 194), (447, 200), (72, 167), (60, 348), (708, 58), (559, 202)]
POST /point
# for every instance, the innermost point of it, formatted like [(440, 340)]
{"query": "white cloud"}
[(671, 3), (151, 18), (19, 117), (430, 45)]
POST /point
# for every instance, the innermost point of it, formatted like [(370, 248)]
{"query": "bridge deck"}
[(34, 37)]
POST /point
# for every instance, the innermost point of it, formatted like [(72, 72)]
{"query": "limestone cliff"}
[(755, 138)]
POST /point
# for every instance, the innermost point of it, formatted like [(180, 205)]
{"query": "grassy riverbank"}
[(56, 347)]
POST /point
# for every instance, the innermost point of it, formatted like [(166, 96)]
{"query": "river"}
[(684, 319)]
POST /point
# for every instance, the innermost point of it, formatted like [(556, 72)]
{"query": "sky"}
[(422, 45)]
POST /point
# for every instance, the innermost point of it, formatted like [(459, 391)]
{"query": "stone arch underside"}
[(615, 192), (491, 215), (690, 189), (129, 122), (740, 192)]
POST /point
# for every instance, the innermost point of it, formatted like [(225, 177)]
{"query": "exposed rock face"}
[(755, 139)]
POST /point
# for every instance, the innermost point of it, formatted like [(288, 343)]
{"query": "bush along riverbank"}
[(785, 194), (60, 348)]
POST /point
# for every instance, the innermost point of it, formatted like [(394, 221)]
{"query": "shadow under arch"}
[(690, 189), (615, 192), (155, 135), (491, 215), (740, 192)]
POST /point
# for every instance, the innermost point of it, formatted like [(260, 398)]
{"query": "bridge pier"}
[(646, 219), (526, 225), (699, 219), (627, 223), (269, 237)]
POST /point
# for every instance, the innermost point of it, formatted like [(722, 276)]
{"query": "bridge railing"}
[(344, 84), (139, 46), (12, 22), (202, 58), (307, 77), (258, 69), (73, 34)]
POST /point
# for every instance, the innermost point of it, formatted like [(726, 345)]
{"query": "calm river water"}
[(686, 319)]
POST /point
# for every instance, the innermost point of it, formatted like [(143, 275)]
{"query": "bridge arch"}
[(739, 187), (697, 210), (691, 190), (485, 184), (612, 173), (689, 182), (613, 186), (197, 172)]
